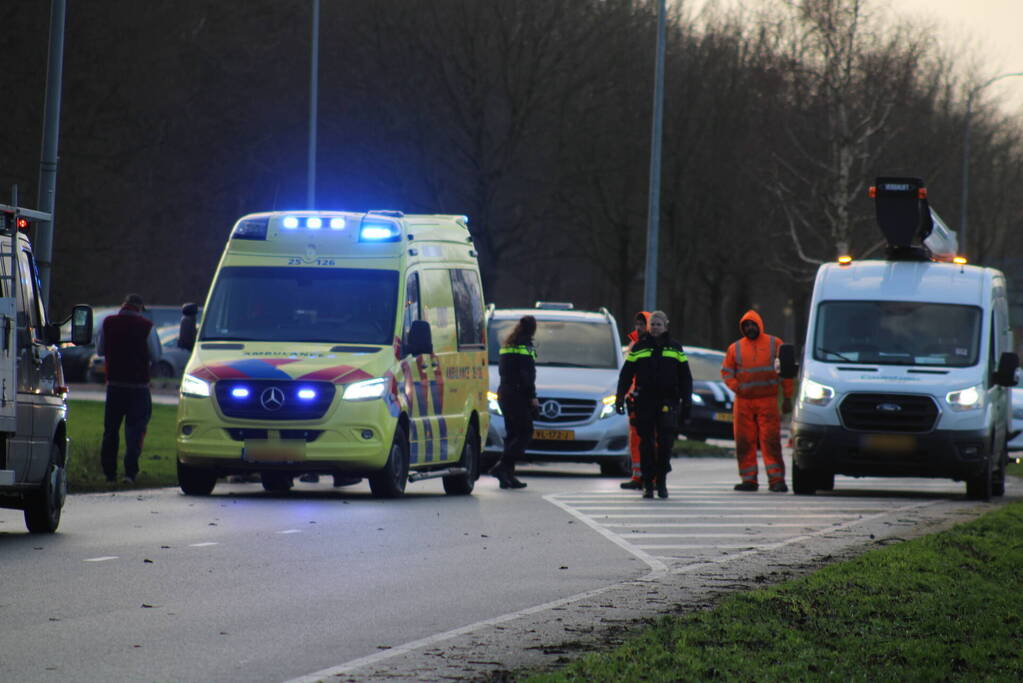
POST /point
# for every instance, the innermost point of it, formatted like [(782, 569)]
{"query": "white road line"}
[(202, 545), (658, 568), (701, 525), (744, 546), (290, 531), (101, 559), (759, 508), (722, 516)]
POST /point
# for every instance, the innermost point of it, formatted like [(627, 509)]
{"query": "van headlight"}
[(492, 404), (815, 393), (607, 408), (366, 390), (194, 387), (970, 398)]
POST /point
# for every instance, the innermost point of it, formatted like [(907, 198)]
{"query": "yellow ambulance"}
[(338, 343)]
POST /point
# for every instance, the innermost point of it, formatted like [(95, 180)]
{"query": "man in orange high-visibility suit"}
[(748, 370), (636, 482)]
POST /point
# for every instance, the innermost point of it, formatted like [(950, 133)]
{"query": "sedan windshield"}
[(705, 367), (336, 305), (897, 333), (565, 343)]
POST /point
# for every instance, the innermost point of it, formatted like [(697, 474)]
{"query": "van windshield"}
[(897, 333), (329, 305), (564, 343)]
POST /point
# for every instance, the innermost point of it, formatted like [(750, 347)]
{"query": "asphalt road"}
[(331, 583)]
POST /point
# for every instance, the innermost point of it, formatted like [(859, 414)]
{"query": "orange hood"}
[(755, 317), (633, 337)]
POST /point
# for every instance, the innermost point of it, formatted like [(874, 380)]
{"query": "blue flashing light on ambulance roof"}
[(378, 231), (290, 222), (314, 222)]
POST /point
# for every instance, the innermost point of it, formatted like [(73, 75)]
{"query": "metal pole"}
[(654, 203), (964, 199), (51, 134), (313, 106)]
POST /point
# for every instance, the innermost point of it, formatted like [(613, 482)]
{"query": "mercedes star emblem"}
[(271, 399)]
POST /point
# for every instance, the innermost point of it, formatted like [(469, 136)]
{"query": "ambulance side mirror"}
[(1005, 375), (787, 366), (420, 339)]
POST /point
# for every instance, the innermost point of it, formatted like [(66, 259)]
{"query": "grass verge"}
[(700, 449), (157, 465), (945, 607)]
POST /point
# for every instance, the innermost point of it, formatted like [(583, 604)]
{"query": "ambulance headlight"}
[(367, 390), (607, 406), (194, 387), (379, 231), (814, 393), (492, 404), (970, 398)]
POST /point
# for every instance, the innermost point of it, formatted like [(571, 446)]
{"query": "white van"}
[(906, 363), (33, 394)]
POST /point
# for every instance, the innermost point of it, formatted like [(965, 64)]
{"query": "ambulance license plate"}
[(554, 434), (723, 417), (270, 450), (889, 443)]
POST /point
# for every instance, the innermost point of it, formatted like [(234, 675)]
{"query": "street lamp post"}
[(963, 210), (654, 198)]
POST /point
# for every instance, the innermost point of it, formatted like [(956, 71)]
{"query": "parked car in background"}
[(577, 365), (79, 362), (170, 366), (1015, 438), (711, 415)]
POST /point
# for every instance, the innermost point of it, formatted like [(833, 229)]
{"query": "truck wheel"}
[(803, 481), (195, 481), (390, 481), (998, 476), (277, 482), (42, 509), (462, 484), (980, 487), (617, 467)]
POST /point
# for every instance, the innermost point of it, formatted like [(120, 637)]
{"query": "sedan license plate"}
[(723, 417), (554, 434), (889, 443)]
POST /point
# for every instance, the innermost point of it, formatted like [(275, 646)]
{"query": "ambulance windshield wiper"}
[(835, 353), (206, 339)]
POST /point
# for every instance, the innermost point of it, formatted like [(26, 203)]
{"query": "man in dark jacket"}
[(131, 345), (663, 395)]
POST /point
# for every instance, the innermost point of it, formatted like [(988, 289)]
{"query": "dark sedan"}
[(711, 416)]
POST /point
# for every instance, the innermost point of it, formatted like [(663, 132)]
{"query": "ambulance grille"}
[(307, 435), (560, 410), (889, 412), (273, 399)]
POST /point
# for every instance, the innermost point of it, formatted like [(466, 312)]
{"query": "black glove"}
[(619, 407)]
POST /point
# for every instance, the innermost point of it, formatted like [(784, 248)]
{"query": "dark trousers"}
[(656, 438), (518, 430), (134, 406)]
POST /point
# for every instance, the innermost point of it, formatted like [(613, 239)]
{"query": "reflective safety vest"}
[(517, 368), (749, 371), (521, 350)]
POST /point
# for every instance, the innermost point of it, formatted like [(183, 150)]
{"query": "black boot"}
[(503, 478), (648, 488), (515, 483), (662, 487)]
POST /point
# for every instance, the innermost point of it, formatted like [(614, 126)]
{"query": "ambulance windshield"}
[(328, 305), (897, 333), (564, 343)]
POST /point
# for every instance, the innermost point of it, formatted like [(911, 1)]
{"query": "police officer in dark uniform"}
[(663, 396), (516, 395)]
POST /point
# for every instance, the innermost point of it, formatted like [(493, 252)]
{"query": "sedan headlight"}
[(970, 398), (366, 390), (815, 393), (697, 399), (492, 404), (607, 408), (194, 387)]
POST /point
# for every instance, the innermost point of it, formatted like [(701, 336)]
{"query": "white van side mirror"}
[(1005, 375), (787, 366)]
